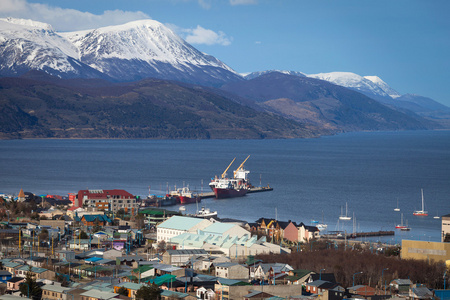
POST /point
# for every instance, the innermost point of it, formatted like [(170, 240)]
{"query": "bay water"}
[(313, 179)]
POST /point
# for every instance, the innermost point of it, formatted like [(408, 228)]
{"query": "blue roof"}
[(93, 218), (93, 259)]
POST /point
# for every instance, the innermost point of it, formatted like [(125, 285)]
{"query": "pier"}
[(251, 190), (341, 235)]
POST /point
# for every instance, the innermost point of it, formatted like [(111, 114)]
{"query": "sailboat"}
[(322, 226), (345, 217), (405, 228), (422, 212), (401, 226), (397, 208)]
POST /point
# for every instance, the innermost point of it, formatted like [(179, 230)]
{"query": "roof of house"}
[(16, 279), (99, 294), (187, 252), (172, 294), (131, 285), (180, 223), (55, 288), (5, 273), (218, 227)]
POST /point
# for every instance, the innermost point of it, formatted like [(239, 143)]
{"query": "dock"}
[(251, 190), (341, 235)]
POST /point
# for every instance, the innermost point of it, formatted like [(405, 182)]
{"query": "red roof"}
[(104, 194)]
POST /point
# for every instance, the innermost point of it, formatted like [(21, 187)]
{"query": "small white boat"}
[(206, 213), (436, 216), (345, 217), (182, 208), (397, 208)]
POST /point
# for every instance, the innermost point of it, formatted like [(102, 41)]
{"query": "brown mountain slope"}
[(150, 108)]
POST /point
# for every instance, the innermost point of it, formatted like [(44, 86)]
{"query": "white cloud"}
[(201, 35), (206, 4), (243, 2), (63, 19)]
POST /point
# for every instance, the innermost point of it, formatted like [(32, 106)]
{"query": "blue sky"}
[(404, 42)]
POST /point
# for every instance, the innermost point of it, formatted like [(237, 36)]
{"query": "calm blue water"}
[(310, 177)]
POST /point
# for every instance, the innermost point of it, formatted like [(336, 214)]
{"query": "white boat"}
[(397, 208), (422, 212), (206, 213), (345, 217), (436, 216)]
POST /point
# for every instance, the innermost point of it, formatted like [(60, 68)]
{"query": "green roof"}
[(142, 269)]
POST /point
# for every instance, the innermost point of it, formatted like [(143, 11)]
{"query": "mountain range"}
[(53, 83)]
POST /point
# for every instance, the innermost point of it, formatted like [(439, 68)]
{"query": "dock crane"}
[(225, 172), (240, 166)]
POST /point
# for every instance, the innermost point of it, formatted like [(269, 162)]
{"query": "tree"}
[(83, 235), (149, 292), (30, 287), (123, 291), (43, 236)]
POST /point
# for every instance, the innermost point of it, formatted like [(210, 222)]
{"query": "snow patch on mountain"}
[(359, 83), (252, 75), (384, 86)]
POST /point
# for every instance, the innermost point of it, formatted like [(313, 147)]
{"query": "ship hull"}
[(187, 200), (228, 193)]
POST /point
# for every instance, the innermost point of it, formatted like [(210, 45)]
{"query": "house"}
[(362, 290), (181, 257), (319, 286), (53, 292), (112, 254), (418, 291), (5, 276), (107, 200), (307, 233), (445, 227), (131, 287), (167, 295), (92, 220), (205, 263), (289, 230), (39, 273), (264, 271), (14, 283), (206, 294), (257, 295), (12, 267), (129, 260), (298, 276), (322, 276), (400, 285), (178, 225), (65, 255), (231, 270)]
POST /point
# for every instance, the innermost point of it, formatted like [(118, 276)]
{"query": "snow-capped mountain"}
[(369, 85), (131, 51), (28, 45), (147, 48), (252, 75)]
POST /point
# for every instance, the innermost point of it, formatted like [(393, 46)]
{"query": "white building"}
[(177, 225)]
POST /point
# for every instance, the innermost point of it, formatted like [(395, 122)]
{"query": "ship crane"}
[(224, 174), (240, 166)]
